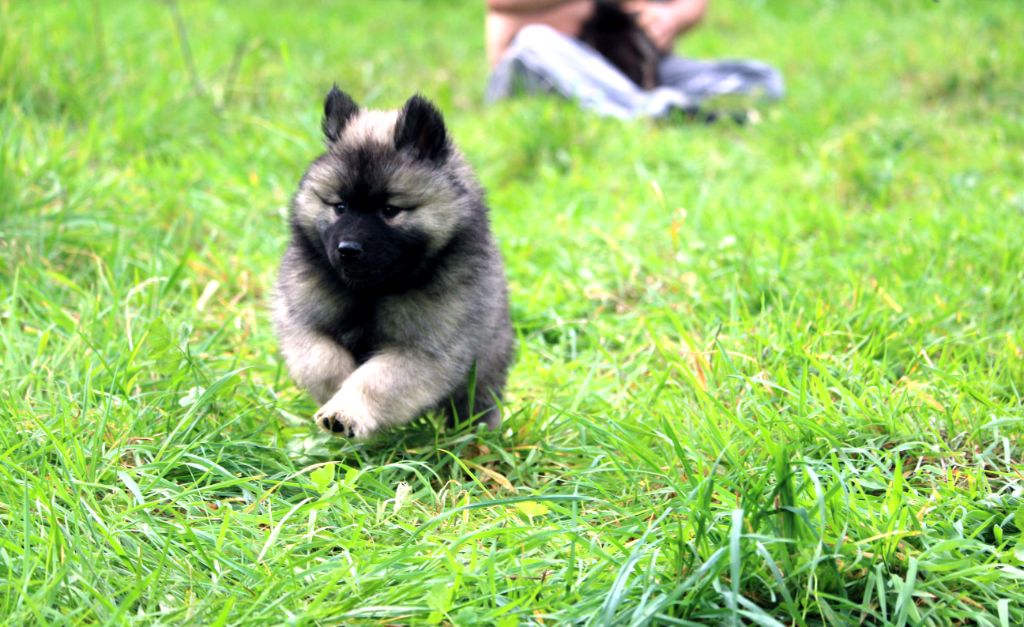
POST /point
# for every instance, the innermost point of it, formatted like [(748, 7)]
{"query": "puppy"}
[(391, 298)]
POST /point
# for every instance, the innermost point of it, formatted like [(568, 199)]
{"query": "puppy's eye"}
[(390, 211), (340, 207)]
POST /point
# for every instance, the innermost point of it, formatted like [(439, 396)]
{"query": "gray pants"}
[(543, 60)]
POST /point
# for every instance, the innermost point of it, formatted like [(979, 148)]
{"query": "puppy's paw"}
[(342, 419)]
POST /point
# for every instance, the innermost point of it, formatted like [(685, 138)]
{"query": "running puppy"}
[(391, 298)]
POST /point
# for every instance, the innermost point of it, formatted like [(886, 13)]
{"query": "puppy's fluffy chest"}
[(355, 327), (364, 324)]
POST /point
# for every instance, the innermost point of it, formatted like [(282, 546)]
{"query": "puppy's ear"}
[(338, 110), (420, 128)]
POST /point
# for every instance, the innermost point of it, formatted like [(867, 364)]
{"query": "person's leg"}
[(543, 60), (703, 79)]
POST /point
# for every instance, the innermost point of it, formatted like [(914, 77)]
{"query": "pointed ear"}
[(420, 128), (338, 110)]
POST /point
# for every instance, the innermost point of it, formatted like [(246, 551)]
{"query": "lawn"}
[(769, 374)]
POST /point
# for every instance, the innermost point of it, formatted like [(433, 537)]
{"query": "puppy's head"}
[(390, 192)]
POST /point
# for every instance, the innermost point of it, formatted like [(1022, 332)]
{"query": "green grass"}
[(766, 375)]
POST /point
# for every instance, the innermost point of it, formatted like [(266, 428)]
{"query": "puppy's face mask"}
[(381, 202)]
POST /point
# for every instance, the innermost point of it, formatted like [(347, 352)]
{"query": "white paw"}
[(343, 419)]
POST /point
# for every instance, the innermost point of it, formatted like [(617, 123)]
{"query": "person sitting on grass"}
[(614, 58)]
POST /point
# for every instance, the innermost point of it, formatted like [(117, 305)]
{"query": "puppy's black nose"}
[(349, 251)]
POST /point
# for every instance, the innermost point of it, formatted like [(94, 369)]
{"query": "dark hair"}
[(615, 34)]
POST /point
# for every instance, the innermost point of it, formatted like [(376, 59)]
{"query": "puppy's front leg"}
[(315, 361), (391, 388)]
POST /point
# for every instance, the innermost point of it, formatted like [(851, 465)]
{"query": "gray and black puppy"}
[(391, 299)]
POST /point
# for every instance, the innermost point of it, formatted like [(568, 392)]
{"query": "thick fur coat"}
[(391, 298)]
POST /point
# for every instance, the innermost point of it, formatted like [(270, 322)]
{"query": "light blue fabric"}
[(543, 60)]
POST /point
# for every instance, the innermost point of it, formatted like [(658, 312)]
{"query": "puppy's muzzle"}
[(349, 251)]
